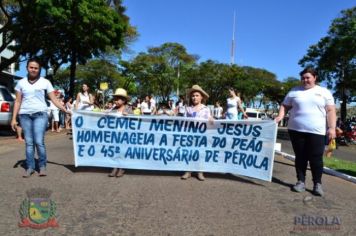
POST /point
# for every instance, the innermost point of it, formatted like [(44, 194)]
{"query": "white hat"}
[(197, 88), (120, 92)]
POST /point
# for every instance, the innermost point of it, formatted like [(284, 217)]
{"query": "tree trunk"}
[(73, 67), (343, 110)]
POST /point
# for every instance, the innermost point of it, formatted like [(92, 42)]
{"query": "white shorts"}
[(55, 115)]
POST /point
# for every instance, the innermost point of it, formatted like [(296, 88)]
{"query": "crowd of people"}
[(235, 109), (310, 107)]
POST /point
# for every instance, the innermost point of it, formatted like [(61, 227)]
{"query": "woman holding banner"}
[(311, 109), (31, 106), (199, 111), (120, 100)]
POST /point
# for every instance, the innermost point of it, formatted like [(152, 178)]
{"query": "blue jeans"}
[(34, 127)]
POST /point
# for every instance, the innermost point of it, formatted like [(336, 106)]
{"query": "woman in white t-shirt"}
[(31, 106), (311, 109), (233, 104), (85, 100), (217, 111), (147, 106), (180, 107)]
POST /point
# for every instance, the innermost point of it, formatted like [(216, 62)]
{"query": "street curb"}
[(326, 169)]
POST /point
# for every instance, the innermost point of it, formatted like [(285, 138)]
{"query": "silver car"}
[(6, 106)]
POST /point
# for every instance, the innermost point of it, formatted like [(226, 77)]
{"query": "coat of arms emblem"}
[(38, 210)]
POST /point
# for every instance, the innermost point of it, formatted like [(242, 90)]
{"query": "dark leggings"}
[(308, 147)]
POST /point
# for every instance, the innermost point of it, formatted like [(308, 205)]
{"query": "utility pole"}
[(178, 76)]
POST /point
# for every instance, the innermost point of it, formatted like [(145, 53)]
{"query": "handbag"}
[(332, 144)]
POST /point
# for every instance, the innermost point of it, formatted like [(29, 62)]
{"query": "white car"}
[(6, 106), (254, 114)]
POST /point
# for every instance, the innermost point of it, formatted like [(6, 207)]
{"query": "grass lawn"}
[(346, 167)]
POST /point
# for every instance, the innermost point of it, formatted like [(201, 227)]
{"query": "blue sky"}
[(270, 34)]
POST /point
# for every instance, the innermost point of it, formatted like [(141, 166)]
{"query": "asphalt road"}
[(159, 203)]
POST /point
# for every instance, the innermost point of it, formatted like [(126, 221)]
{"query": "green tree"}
[(62, 31), (277, 90), (87, 28), (335, 57), (256, 84), (215, 78), (159, 71)]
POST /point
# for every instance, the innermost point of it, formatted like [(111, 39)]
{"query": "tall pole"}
[(178, 75), (233, 41)]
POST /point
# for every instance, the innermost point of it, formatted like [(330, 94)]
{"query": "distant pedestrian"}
[(164, 110), (148, 106), (54, 114), (233, 104), (180, 106), (218, 111), (85, 100), (68, 116), (19, 130), (311, 116), (30, 105)]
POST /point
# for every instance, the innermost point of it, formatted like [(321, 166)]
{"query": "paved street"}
[(159, 203)]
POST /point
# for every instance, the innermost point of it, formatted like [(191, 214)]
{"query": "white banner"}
[(174, 143)]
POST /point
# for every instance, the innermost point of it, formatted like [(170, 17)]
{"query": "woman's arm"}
[(77, 101), (331, 119), (56, 102), (17, 105), (282, 112)]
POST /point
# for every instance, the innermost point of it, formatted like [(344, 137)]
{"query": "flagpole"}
[(233, 41)]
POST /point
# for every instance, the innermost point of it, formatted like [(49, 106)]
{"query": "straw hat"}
[(197, 88), (120, 92)]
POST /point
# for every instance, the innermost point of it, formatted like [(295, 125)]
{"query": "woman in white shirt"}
[(217, 111), (233, 103), (84, 99), (147, 107), (311, 109), (31, 106)]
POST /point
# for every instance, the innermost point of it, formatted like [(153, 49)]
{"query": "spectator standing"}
[(84, 100), (233, 104), (218, 111)]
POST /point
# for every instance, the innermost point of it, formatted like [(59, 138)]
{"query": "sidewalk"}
[(159, 203)]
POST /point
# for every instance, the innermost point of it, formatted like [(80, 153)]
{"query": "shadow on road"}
[(280, 182), (106, 170), (5, 132)]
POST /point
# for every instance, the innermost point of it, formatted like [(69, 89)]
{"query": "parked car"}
[(6, 106), (254, 114)]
